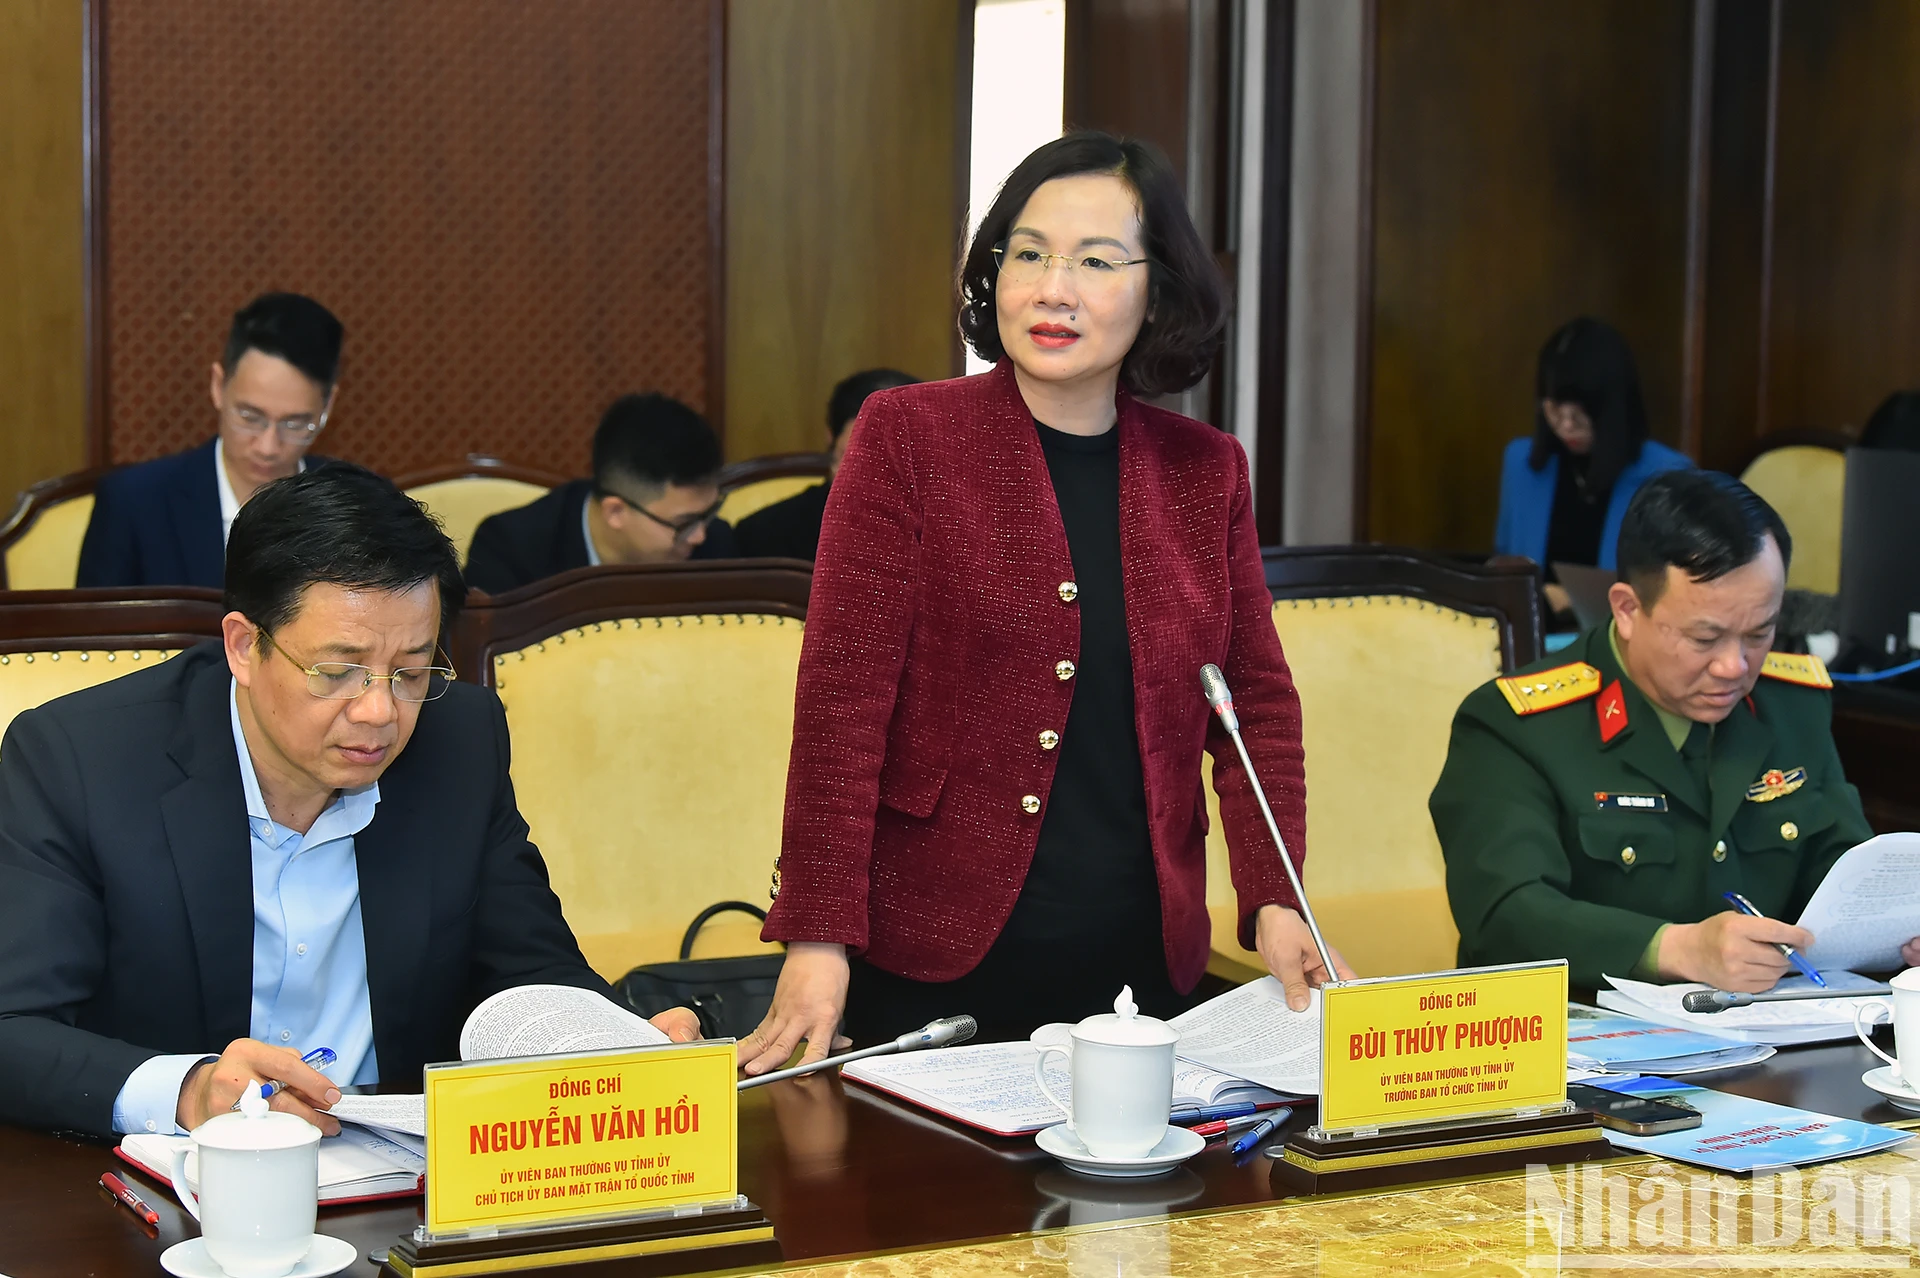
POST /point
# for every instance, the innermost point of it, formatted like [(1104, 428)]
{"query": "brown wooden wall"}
[(1526, 171), (1536, 162), (42, 311), (511, 207), (846, 190)]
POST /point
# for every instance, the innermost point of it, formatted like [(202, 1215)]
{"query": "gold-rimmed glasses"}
[(1024, 264), (344, 680)]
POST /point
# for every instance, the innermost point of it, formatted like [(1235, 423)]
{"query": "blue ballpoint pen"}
[(1258, 1134), (319, 1058), (1188, 1115), (1745, 906)]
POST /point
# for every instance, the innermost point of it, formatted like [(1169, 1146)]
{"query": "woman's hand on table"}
[(807, 1004), (1287, 948)]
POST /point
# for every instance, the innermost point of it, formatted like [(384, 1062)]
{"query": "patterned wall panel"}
[(506, 202)]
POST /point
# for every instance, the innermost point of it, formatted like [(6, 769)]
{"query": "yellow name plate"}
[(551, 1140), (1443, 1046)]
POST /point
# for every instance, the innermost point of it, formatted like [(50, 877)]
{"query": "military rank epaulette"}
[(1797, 667), (1549, 689)]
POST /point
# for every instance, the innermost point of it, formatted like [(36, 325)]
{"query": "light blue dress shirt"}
[(309, 950)]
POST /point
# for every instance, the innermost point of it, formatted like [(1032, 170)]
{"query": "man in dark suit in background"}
[(790, 529), (165, 522), (652, 500), (271, 843)]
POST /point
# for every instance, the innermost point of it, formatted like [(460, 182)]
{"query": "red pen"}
[(130, 1200)]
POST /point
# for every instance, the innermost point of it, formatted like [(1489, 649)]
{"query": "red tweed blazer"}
[(928, 673)]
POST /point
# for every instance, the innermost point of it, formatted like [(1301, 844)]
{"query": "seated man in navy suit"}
[(790, 529), (302, 836), (165, 522), (652, 500)]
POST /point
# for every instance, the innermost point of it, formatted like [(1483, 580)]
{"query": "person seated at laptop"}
[(790, 529), (165, 522), (302, 835), (1565, 488), (1597, 809), (652, 500)]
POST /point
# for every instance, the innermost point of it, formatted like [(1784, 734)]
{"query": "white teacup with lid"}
[(259, 1187), (1122, 1068)]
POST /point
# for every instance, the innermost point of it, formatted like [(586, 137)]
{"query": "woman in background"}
[(1564, 489)]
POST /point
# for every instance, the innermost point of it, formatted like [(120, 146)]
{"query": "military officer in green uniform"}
[(1597, 806)]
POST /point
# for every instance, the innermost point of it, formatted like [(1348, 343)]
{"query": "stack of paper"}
[(991, 1085), (1741, 1135), (1606, 1043), (1814, 1020)]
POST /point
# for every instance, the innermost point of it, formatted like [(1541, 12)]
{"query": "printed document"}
[(1251, 1033), (1867, 907), (1813, 1020)]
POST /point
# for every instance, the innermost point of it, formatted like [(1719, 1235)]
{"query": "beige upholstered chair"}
[(652, 714), (40, 540), (1383, 645), (463, 494), (56, 642), (754, 485), (1806, 482)]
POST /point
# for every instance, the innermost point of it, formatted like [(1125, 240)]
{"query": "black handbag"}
[(729, 995)]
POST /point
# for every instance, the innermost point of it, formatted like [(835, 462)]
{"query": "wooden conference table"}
[(845, 1173)]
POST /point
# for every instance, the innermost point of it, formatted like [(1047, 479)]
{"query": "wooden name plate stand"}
[(717, 1238), (1310, 1165)]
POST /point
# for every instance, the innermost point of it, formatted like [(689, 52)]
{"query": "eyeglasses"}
[(298, 430), (1026, 265), (343, 681), (683, 528)]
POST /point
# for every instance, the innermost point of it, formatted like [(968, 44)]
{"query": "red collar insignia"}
[(1612, 710)]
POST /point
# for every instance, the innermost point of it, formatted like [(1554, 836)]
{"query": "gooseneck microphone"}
[(1721, 1000), (1214, 684), (944, 1032)]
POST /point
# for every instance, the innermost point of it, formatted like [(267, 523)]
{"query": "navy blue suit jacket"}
[(126, 888), (158, 524)]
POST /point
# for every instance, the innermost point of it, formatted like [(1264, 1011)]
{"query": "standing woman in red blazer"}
[(994, 804)]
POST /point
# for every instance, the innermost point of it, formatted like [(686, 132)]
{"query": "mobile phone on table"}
[(1634, 1115)]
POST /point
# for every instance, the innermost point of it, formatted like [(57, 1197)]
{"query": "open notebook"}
[(1244, 1046), (381, 1149), (355, 1166)]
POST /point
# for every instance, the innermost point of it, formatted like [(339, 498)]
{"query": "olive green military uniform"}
[(1573, 827)]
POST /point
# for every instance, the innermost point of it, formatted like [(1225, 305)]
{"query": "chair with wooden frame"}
[(462, 494), (748, 486), (652, 717), (40, 540), (1803, 475), (1384, 644), (53, 642)]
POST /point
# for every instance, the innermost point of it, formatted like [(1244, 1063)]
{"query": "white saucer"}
[(327, 1256), (1896, 1090), (1176, 1147)]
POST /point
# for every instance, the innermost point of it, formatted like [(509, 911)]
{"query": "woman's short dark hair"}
[(337, 524), (1186, 301), (1587, 362), (1702, 522)]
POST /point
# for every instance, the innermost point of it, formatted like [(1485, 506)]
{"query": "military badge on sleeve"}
[(1773, 783)]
